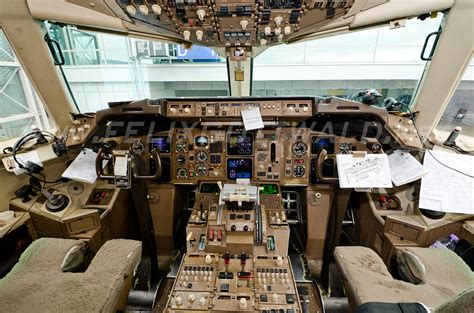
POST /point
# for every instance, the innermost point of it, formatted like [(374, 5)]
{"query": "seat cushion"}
[(37, 284), (368, 280)]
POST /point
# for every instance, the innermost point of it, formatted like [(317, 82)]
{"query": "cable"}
[(44, 179), (429, 151)]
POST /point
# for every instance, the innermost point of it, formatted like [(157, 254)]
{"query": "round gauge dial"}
[(138, 147), (345, 148), (182, 173), (181, 159), (181, 146), (202, 156), (299, 148), (262, 157), (299, 170), (201, 170)]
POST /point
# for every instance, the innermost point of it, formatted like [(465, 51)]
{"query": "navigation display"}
[(239, 144), (162, 143), (319, 143), (239, 168)]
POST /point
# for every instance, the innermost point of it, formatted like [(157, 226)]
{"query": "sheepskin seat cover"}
[(37, 284), (367, 279)]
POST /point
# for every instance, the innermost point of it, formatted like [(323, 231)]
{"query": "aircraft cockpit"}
[(236, 156)]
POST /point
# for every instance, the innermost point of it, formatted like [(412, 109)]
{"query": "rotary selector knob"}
[(275, 297), (278, 20), (131, 9), (243, 304), (202, 301), (201, 14), (277, 31), (186, 34), (279, 261), (199, 35), (178, 300), (268, 30), (187, 110), (243, 24), (208, 259), (156, 8), (287, 30), (143, 9), (191, 298)]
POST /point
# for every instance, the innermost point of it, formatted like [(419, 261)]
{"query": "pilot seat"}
[(436, 276), (37, 283)]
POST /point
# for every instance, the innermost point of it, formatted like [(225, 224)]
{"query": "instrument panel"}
[(229, 23), (285, 155)]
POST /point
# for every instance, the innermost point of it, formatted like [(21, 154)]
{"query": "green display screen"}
[(209, 188), (269, 189)]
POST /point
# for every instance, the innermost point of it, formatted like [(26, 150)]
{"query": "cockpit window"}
[(459, 111), (102, 68), (343, 65), (20, 106)]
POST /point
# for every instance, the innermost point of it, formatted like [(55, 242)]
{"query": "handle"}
[(55, 49), (322, 156), (98, 165), (158, 170), (430, 56)]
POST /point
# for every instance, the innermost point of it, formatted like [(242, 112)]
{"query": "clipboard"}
[(363, 171)]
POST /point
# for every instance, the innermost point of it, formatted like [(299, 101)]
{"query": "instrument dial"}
[(182, 173), (202, 156), (138, 147), (299, 149), (201, 170), (181, 159), (299, 170), (181, 146), (262, 157), (345, 148)]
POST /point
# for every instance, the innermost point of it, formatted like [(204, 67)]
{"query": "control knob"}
[(199, 35), (243, 304), (156, 8), (178, 300), (191, 297), (143, 9), (278, 20), (233, 228), (187, 34), (202, 301), (243, 24), (275, 297), (201, 14)]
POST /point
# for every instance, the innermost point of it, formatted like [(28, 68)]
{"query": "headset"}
[(58, 145)]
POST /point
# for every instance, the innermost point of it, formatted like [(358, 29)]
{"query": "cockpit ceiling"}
[(229, 23), (234, 23)]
